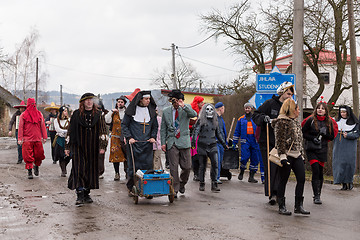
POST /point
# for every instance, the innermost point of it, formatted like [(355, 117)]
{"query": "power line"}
[(97, 74), (201, 42), (210, 64)]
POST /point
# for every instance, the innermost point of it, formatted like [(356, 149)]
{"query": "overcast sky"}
[(87, 41), (84, 40)]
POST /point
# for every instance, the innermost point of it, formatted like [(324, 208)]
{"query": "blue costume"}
[(245, 131)]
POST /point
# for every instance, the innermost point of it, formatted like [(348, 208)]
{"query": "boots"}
[(351, 186), (63, 168), (80, 197), (316, 185), (251, 177), (214, 187), (87, 198), (344, 186), (117, 177), (299, 206), (202, 186), (282, 207), (36, 170), (30, 175), (241, 174)]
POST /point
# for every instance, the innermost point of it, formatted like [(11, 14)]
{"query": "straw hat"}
[(52, 107), (22, 104)]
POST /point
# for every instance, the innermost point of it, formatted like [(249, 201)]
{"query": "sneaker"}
[(117, 177), (101, 176), (218, 181)]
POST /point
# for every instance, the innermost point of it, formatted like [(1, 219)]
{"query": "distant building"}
[(7, 101), (327, 67), (189, 96)]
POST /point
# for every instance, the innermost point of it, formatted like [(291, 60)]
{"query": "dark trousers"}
[(214, 166), (274, 176), (19, 147), (298, 167), (52, 137), (195, 164), (179, 157), (317, 172)]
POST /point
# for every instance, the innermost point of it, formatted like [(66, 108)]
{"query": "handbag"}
[(274, 155), (310, 145)]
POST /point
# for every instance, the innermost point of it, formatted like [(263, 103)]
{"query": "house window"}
[(326, 77)]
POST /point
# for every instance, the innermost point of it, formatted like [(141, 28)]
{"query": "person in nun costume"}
[(140, 128), (344, 149)]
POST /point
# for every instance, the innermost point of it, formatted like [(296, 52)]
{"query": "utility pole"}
[(37, 81), (354, 73), (200, 88), (173, 75), (61, 96), (297, 59)]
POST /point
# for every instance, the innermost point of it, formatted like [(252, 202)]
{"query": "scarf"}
[(320, 118)]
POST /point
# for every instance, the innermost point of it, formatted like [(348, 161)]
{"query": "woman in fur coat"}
[(288, 141)]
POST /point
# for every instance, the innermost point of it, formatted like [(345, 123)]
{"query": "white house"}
[(328, 69)]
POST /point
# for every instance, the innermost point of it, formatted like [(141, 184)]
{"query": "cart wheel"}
[(229, 176), (135, 197), (171, 198)]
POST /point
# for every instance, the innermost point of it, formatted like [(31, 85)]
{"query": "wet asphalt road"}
[(43, 208)]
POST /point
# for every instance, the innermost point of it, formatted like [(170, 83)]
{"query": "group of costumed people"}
[(190, 134)]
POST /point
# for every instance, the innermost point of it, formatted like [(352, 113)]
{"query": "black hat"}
[(86, 96), (122, 97), (176, 93)]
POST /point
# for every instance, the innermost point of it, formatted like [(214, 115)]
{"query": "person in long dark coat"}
[(344, 149), (86, 138), (140, 127)]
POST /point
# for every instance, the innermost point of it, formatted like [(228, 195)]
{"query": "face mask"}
[(209, 112)]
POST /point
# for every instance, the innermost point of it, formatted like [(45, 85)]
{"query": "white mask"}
[(209, 111)]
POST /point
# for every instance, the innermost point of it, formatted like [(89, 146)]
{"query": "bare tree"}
[(187, 78), (256, 37), (19, 70)]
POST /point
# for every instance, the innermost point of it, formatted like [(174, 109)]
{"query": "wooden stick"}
[(229, 133), (268, 161)]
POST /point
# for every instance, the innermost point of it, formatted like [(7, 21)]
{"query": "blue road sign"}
[(268, 83), (259, 98)]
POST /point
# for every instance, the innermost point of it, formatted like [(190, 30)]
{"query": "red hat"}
[(22, 104), (131, 96)]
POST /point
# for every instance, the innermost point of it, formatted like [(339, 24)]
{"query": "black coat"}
[(271, 108)]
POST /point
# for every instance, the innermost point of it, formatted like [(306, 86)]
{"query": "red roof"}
[(326, 57)]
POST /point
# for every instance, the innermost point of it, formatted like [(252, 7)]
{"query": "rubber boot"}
[(87, 198), (351, 186), (282, 207), (214, 187), (299, 206), (80, 197), (316, 189), (241, 174), (251, 177), (202, 186), (36, 170), (30, 175), (344, 186)]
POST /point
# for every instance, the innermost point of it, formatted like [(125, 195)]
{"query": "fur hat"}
[(285, 86)]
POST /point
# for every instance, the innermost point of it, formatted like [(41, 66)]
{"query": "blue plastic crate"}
[(155, 184)]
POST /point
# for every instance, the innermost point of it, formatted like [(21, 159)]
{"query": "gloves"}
[(323, 131), (267, 119), (316, 141), (284, 162)]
